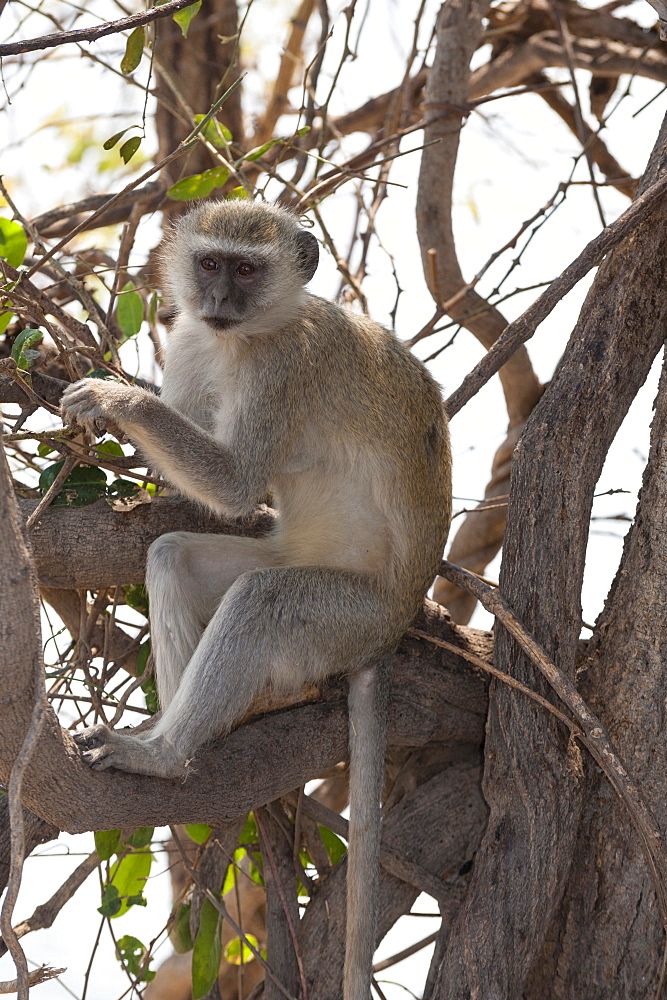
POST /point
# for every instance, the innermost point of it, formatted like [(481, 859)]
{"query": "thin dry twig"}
[(91, 34), (37, 976), (522, 329), (224, 912), (406, 953), (69, 464), (46, 913), (266, 849)]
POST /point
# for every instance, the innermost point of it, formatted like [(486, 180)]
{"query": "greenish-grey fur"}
[(270, 389)]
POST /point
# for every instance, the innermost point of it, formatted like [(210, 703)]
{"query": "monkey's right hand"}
[(93, 403)]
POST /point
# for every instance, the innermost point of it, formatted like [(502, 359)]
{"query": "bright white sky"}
[(513, 155)]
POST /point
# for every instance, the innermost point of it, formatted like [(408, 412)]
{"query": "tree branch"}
[(90, 34)]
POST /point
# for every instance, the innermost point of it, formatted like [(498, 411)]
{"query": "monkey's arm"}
[(229, 480)]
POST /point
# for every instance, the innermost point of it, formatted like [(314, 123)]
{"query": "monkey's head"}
[(228, 262)]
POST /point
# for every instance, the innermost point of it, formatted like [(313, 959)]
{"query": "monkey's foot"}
[(103, 747)]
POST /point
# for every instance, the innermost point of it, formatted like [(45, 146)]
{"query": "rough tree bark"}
[(532, 776)]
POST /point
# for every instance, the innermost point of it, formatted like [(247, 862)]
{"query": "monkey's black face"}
[(230, 288)]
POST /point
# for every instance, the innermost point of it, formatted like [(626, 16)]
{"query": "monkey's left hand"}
[(93, 403)]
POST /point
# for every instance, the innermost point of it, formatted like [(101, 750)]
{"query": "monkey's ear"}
[(309, 254)]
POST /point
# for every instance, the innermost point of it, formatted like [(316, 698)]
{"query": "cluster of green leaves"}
[(201, 185), (207, 952), (124, 888), (86, 483), (13, 246), (135, 47)]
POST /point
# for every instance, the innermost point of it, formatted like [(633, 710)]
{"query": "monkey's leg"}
[(186, 577), (285, 626)]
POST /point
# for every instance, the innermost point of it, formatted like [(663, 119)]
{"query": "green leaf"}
[(88, 474), (150, 693), (129, 311), (5, 320), (237, 951), (249, 834), (99, 373), (230, 875), (254, 154), (238, 194), (106, 842), (142, 656), (335, 847), (128, 876), (136, 597), (141, 837), (258, 151), (109, 447), (180, 934), (85, 485), (255, 868), (129, 148), (152, 307), (199, 832), (198, 185), (183, 17), (215, 132), (116, 137), (134, 49), (132, 954), (207, 951), (13, 242), (122, 489), (110, 901), (44, 449), (21, 352)]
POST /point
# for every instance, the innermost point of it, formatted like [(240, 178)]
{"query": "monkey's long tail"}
[(367, 703)]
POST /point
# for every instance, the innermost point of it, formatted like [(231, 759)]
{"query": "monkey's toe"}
[(99, 760), (93, 736)]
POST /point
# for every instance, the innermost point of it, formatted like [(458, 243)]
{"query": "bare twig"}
[(523, 328), (406, 953), (37, 976), (46, 913), (69, 464), (268, 852), (90, 34)]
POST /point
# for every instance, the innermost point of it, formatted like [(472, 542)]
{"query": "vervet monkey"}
[(270, 389)]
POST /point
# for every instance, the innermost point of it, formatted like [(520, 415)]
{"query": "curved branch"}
[(597, 55), (435, 697)]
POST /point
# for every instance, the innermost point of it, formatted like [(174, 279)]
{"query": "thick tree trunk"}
[(533, 776)]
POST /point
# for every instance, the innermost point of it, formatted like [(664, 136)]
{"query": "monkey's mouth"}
[(221, 322)]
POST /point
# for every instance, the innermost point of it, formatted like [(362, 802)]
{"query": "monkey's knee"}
[(167, 556)]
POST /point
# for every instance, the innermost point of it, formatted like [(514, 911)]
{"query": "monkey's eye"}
[(245, 269), (209, 264)]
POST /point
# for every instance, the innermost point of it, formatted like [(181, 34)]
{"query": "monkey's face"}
[(232, 263), (230, 288)]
